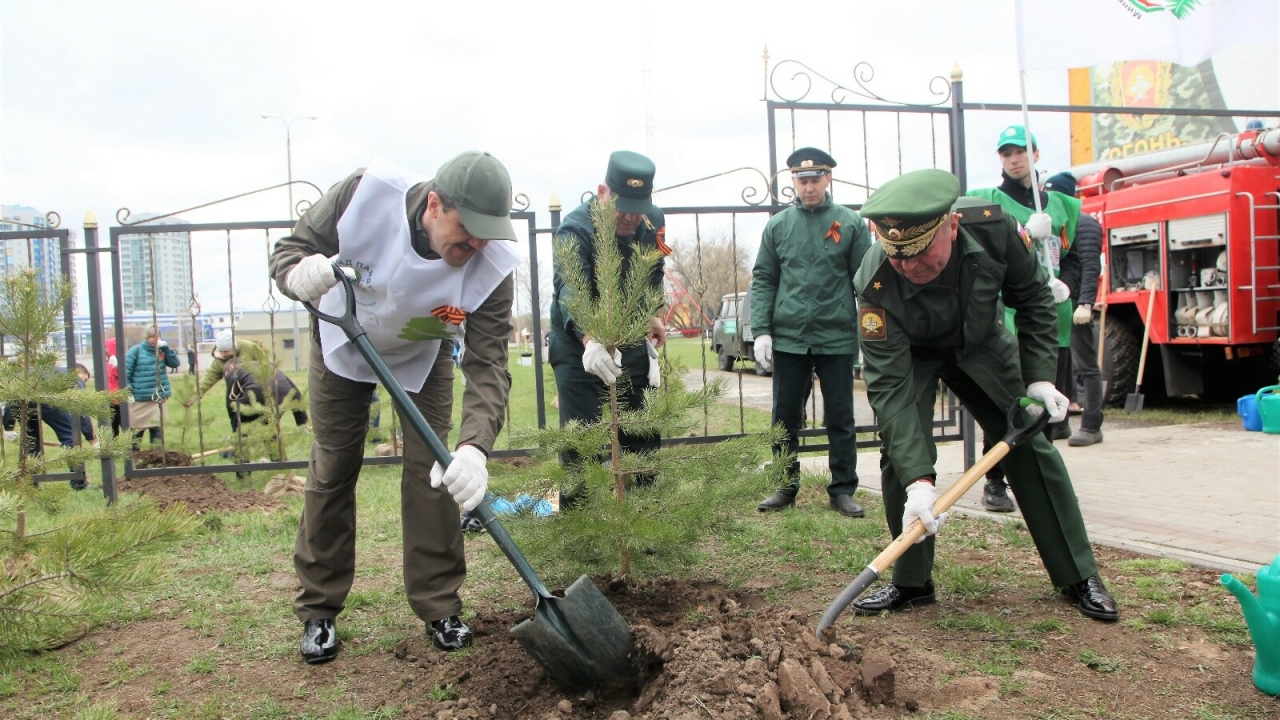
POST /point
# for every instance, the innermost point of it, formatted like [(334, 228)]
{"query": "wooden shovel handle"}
[(1146, 335)]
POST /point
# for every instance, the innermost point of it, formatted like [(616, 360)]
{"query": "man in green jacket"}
[(802, 316), (927, 299)]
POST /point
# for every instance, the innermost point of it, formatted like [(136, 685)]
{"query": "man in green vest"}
[(802, 313), (1053, 231), (927, 299)]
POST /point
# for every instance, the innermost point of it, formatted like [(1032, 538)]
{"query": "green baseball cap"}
[(481, 187), (909, 209), (1015, 135), (630, 179)]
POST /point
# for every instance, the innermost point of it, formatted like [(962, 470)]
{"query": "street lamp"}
[(288, 157)]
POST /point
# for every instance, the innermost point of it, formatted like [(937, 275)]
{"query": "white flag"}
[(1059, 34)]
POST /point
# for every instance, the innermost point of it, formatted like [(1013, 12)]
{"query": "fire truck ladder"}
[(1259, 289)]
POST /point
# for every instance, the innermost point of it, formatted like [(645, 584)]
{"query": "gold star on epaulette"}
[(986, 213), (876, 285)]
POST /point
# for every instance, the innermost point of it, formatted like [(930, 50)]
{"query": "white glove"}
[(162, 344), (655, 368), (920, 498), (1040, 225), (11, 435), (1060, 290), (467, 478), (1083, 315), (1055, 402), (597, 361), (310, 279), (763, 349)]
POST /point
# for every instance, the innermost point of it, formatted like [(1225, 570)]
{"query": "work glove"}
[(1054, 402), (1040, 225), (763, 349), (1060, 290), (310, 279), (1083, 315), (920, 498), (655, 368), (11, 435), (597, 361), (162, 344), (467, 478)]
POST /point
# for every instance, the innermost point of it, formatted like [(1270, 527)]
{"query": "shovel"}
[(1133, 401), (1013, 438), (580, 640)]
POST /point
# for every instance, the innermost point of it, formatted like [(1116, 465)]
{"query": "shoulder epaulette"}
[(879, 282), (977, 210)]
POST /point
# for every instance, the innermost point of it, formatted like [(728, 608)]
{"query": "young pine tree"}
[(76, 568)]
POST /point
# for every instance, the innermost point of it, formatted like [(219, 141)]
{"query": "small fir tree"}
[(696, 489), (61, 580)]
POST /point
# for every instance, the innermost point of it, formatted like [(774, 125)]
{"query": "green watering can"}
[(1262, 613)]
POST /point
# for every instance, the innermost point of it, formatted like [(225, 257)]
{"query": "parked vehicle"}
[(1202, 221), (731, 337)]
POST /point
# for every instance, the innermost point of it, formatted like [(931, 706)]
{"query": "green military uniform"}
[(949, 330), (325, 551), (629, 177), (802, 296)]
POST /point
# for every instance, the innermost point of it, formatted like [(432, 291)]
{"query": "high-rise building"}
[(42, 254), (155, 270)]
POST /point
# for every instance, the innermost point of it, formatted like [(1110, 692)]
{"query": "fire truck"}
[(1199, 224)]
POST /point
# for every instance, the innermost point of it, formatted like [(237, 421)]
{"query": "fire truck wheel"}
[(1124, 344), (725, 362)]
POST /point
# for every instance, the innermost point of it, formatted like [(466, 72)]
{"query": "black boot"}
[(320, 641), (780, 500), (892, 598), (995, 496), (847, 506), (471, 522), (449, 633)]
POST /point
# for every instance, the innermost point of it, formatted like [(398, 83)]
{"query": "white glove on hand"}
[(597, 361), (1040, 225), (310, 279), (1060, 290), (162, 344), (655, 367), (11, 435), (763, 349), (1054, 402), (467, 478), (920, 498), (1083, 315)]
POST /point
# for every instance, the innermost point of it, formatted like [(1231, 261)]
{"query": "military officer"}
[(802, 313), (582, 366), (927, 296)]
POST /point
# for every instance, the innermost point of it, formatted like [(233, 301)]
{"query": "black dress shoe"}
[(320, 641), (780, 500), (1092, 599), (995, 497), (847, 506), (894, 598), (471, 522), (449, 633)]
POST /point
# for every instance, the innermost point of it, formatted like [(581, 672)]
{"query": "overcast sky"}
[(155, 106)]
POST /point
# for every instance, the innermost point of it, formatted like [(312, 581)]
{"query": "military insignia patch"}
[(635, 183), (1026, 236), (871, 323)]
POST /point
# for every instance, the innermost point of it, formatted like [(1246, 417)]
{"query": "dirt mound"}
[(200, 492)]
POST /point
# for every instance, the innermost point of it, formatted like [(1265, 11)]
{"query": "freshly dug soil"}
[(200, 492)]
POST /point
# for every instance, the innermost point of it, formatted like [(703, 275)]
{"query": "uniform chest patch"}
[(872, 324)]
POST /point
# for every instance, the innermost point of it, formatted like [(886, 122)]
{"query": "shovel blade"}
[(580, 640), (1133, 402)]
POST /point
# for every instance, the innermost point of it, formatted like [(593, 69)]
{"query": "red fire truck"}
[(1200, 223)]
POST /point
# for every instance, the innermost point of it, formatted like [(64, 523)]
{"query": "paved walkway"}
[(1208, 494)]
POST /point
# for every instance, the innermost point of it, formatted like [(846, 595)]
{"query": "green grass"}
[(1100, 663)]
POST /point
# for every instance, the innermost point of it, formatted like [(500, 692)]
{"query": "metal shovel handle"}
[(1013, 437), (351, 327)]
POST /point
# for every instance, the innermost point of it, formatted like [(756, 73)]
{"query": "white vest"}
[(399, 294)]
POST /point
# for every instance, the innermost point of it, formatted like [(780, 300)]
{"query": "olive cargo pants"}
[(325, 553)]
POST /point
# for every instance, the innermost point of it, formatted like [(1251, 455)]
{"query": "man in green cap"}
[(424, 270), (927, 299), (582, 366), (802, 311)]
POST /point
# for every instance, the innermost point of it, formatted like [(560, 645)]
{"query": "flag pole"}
[(1026, 116)]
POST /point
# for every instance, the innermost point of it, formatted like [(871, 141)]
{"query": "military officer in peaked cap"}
[(927, 297), (802, 314), (582, 366)]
